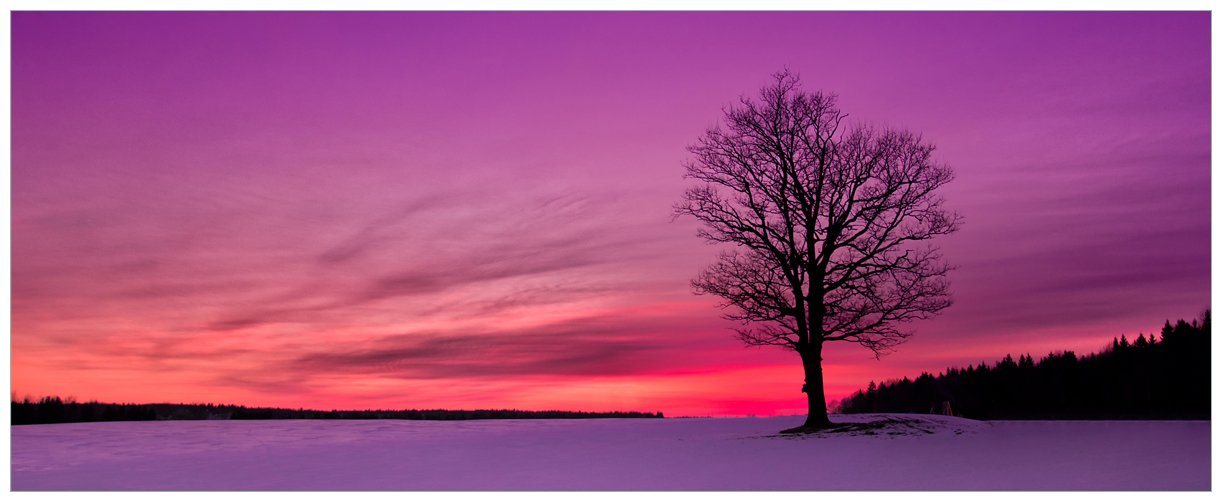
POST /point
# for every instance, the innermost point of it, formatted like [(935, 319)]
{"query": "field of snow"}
[(914, 453)]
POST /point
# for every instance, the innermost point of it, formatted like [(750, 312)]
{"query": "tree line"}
[(51, 410), (1152, 377)]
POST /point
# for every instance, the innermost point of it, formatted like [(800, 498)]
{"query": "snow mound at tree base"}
[(890, 425)]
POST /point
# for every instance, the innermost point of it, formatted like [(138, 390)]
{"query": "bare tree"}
[(829, 224)]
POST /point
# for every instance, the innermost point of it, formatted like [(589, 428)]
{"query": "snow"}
[(913, 452)]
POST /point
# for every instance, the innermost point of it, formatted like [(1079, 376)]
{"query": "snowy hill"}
[(913, 452)]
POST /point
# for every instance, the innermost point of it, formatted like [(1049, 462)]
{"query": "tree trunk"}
[(816, 402)]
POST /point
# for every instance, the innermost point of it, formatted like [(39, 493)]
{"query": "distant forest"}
[(53, 410), (1148, 378)]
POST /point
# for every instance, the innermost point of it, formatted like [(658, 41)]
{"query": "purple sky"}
[(473, 209)]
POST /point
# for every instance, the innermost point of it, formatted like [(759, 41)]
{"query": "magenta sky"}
[(473, 210)]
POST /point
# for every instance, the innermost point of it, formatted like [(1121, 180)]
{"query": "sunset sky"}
[(473, 210)]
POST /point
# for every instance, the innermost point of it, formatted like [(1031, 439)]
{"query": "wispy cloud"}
[(590, 346)]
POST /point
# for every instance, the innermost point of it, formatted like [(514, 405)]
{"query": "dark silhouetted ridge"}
[(50, 410), (1148, 378)]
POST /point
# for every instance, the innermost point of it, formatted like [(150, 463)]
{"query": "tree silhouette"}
[(828, 223)]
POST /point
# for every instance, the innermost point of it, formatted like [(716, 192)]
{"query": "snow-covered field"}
[(922, 453)]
